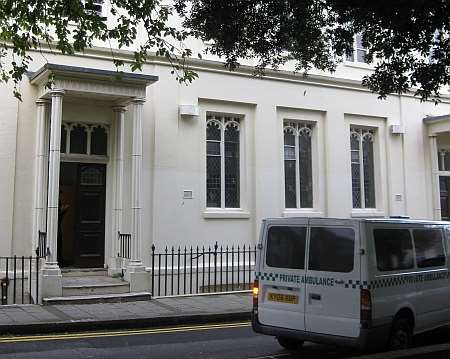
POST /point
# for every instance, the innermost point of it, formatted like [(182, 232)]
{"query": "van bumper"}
[(369, 338)]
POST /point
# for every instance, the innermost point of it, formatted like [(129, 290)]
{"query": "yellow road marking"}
[(89, 335)]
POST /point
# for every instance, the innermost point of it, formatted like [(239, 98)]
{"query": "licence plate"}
[(283, 298)]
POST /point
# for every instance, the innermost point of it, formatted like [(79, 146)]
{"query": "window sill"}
[(359, 65), (361, 213), (226, 213), (301, 212)]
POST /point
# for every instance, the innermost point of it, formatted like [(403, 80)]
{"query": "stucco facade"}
[(172, 176)]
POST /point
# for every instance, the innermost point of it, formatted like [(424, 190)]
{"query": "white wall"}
[(174, 152), (8, 136)]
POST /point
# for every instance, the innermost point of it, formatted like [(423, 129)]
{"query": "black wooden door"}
[(89, 244)]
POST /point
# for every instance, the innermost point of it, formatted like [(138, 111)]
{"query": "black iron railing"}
[(19, 279), (124, 245), (195, 270)]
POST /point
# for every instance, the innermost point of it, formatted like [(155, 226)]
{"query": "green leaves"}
[(72, 26), (408, 41)]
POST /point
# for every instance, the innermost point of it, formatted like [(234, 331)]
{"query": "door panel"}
[(333, 279), (433, 292), (90, 223), (67, 213), (282, 286)]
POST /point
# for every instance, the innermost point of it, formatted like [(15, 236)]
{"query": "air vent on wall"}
[(188, 110)]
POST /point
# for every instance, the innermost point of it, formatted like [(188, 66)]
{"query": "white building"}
[(193, 165)]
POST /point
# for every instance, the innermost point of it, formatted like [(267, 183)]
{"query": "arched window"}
[(362, 167), (99, 141), (84, 139), (298, 180), (222, 162), (78, 139)]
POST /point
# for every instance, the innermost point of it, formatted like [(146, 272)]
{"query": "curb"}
[(132, 323), (431, 351)]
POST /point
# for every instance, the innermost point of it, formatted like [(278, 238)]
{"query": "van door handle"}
[(315, 296)]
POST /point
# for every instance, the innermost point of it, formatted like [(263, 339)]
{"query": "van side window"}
[(393, 249), (429, 248), (286, 247), (332, 249)]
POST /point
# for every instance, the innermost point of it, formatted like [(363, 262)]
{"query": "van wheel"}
[(290, 344), (401, 335)]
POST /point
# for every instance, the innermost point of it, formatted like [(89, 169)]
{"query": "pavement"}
[(34, 319), (157, 312)]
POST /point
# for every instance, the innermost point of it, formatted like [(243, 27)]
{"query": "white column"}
[(53, 176), (119, 113), (40, 169), (51, 274), (435, 177), (135, 273), (136, 182)]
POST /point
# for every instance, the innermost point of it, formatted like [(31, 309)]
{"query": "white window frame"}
[(354, 58), (96, 2), (361, 133), (297, 128), (220, 119)]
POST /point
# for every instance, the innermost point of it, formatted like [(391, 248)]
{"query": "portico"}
[(92, 150)]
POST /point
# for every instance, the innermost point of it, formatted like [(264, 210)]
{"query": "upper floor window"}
[(358, 53), (222, 161), (298, 182), (362, 163), (93, 6)]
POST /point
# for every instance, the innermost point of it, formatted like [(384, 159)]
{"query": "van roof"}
[(369, 220)]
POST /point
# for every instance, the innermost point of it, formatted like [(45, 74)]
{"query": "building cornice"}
[(127, 56)]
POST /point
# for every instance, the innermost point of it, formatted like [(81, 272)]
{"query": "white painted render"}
[(174, 152)]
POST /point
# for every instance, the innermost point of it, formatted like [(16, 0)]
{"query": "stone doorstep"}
[(98, 298), (87, 285), (95, 289), (83, 272)]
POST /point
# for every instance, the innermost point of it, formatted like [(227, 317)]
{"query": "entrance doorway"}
[(81, 230), (444, 184)]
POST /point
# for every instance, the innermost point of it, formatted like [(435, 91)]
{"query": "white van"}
[(365, 283)]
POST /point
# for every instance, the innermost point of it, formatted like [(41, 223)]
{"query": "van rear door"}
[(281, 270), (333, 278)]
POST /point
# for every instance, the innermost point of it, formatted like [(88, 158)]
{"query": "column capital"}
[(119, 108), (42, 102), (57, 92), (138, 100)]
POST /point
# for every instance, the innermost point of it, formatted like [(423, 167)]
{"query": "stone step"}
[(93, 285), (83, 272), (98, 298)]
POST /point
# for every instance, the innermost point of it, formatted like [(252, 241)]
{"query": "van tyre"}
[(401, 335), (290, 344)]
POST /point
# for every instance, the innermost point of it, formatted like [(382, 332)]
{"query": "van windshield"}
[(286, 247)]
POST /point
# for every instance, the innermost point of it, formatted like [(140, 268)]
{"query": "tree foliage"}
[(72, 26), (407, 40)]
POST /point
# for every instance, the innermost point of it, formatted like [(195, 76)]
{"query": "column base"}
[(138, 277), (115, 267), (51, 281)]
